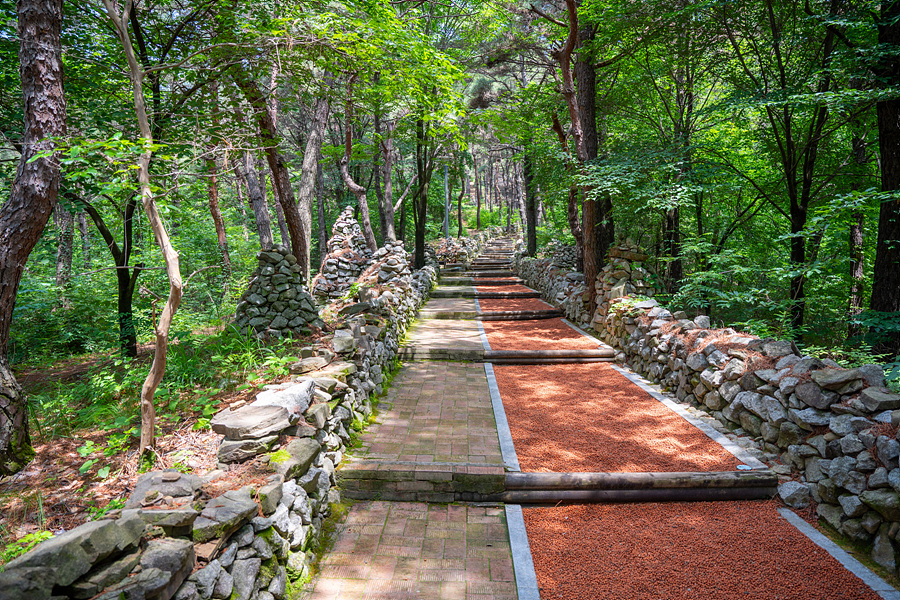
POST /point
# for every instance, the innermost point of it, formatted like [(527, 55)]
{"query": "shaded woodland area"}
[(752, 148)]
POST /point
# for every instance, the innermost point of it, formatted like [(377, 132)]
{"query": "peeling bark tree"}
[(31, 199), (170, 256), (344, 165), (246, 173), (308, 176)]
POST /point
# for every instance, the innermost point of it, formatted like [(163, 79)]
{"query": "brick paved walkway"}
[(435, 412), (406, 550)]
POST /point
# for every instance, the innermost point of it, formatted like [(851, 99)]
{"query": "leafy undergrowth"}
[(85, 426)]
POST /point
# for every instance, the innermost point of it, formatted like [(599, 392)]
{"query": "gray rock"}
[(777, 349), (343, 341), (865, 462), (163, 483), (245, 536), (187, 591), (270, 496), (788, 435), (696, 361), (318, 414), (228, 556), (883, 549), (702, 321), (851, 444), (846, 424), (70, 555), (810, 418), (174, 522), (205, 578), (835, 379), (879, 479), (244, 573), (811, 394), (149, 584), (308, 365), (100, 577), (294, 398), (852, 505), (235, 451), (879, 399), (278, 585), (224, 586), (888, 451), (223, 515), (842, 472), (833, 515), (794, 494), (873, 375), (301, 454), (262, 548), (817, 469), (251, 422), (885, 502)]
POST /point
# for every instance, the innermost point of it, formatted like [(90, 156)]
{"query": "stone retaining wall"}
[(174, 541), (831, 432)]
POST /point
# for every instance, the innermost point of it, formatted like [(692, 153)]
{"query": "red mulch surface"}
[(491, 304), (702, 550), (588, 418), (539, 334), (503, 288)]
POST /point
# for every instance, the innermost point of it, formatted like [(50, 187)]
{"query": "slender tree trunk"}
[(886, 277), (279, 216), (81, 222), (247, 174), (170, 256), (477, 193), (586, 100), (320, 205), (344, 165), (420, 200), (216, 212), (464, 184), (530, 207), (446, 204), (308, 177), (31, 199), (281, 181), (65, 225), (387, 200)]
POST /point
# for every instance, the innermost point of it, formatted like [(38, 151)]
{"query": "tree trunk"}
[(530, 207), (281, 180), (320, 205), (308, 177), (65, 226), (477, 193), (247, 173), (170, 256), (282, 222), (420, 200), (81, 222), (464, 185), (586, 97), (446, 204), (344, 165), (886, 278), (672, 247), (387, 200), (216, 212), (31, 199)]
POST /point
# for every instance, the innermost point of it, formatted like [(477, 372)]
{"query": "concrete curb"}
[(523, 565), (878, 585)]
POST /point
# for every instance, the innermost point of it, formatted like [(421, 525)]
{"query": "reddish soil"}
[(490, 304), (503, 288), (588, 418), (703, 550), (539, 334)]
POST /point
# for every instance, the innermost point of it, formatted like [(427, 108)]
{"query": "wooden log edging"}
[(640, 481)]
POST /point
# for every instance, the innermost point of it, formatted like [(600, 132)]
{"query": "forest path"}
[(557, 460)]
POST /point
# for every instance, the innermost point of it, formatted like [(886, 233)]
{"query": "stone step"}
[(489, 273), (471, 292), (480, 281), (507, 357), (420, 482), (494, 315)]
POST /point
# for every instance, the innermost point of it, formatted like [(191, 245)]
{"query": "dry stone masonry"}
[(174, 540), (830, 432), (276, 303), (347, 257)]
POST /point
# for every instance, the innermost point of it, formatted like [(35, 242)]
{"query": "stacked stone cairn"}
[(831, 433), (247, 542), (347, 257), (276, 303)]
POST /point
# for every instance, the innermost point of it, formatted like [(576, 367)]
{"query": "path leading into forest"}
[(512, 458)]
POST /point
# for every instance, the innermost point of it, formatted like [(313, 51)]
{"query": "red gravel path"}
[(702, 551), (540, 334), (503, 288), (489, 304), (588, 418)]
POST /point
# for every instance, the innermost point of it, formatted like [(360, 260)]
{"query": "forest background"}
[(751, 148)]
